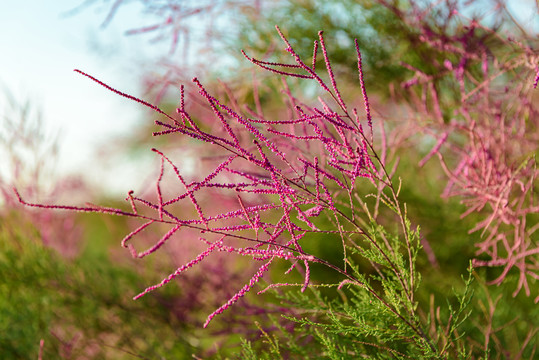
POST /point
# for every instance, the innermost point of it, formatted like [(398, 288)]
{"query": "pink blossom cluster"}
[(284, 175), (486, 144)]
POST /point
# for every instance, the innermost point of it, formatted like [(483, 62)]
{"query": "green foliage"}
[(80, 307), (356, 325)]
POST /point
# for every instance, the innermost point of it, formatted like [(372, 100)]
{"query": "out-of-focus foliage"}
[(80, 307)]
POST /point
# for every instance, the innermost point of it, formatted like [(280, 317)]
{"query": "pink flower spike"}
[(434, 150), (182, 268), (135, 232), (347, 281), (151, 106), (304, 66), (181, 109), (266, 66), (292, 267), (307, 276), (330, 71), (213, 104), (131, 201), (160, 243), (158, 189), (247, 217), (315, 50), (288, 46), (317, 179), (240, 293), (94, 209), (363, 89)]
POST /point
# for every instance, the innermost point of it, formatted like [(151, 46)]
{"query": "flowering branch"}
[(285, 177)]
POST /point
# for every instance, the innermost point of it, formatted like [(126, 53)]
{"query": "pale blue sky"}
[(40, 47)]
